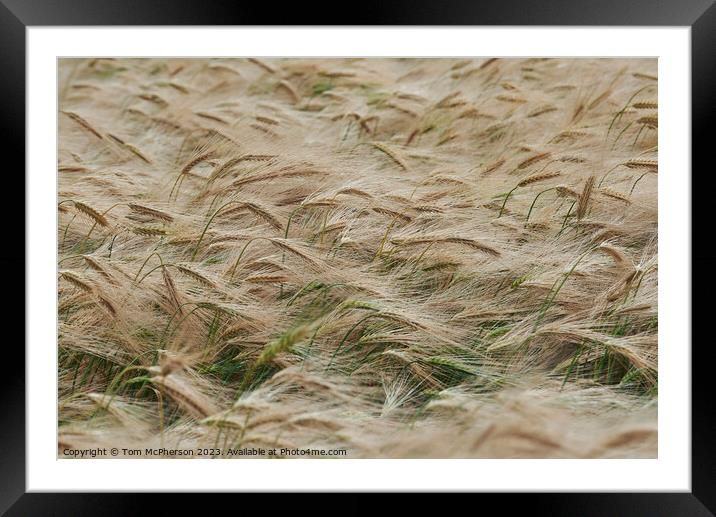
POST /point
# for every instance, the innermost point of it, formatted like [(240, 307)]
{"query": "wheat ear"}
[(585, 197)]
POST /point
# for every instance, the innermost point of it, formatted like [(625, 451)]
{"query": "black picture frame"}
[(700, 15)]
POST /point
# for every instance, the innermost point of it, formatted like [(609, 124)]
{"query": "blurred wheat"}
[(401, 257)]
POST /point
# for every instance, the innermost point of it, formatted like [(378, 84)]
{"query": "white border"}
[(671, 472)]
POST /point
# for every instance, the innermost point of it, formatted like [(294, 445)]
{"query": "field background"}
[(395, 257)]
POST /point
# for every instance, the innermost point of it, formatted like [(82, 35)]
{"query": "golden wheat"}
[(395, 257)]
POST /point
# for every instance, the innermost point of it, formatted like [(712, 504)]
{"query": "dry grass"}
[(398, 257)]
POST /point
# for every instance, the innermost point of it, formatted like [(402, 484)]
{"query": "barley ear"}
[(585, 197)]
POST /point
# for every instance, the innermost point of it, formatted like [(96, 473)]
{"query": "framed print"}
[(430, 251)]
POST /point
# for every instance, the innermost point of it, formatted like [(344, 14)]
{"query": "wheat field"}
[(397, 258)]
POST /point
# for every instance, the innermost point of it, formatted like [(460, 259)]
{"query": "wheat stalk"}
[(266, 279), (392, 154), (151, 232), (91, 213), (171, 289), (264, 214), (83, 123), (106, 303), (585, 197), (566, 191), (533, 159), (511, 99), (187, 398), (151, 212), (493, 166), (290, 89), (76, 281), (262, 64), (535, 178), (649, 120), (194, 162), (652, 165), (616, 254), (471, 243), (615, 195), (392, 213), (93, 264), (195, 275)]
